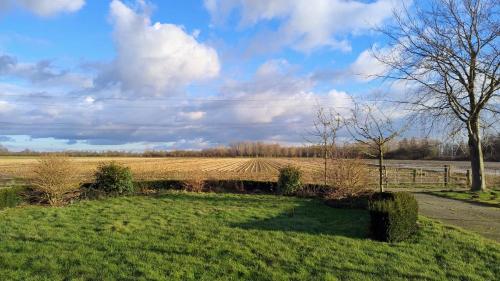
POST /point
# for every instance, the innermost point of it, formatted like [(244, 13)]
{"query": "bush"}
[(358, 201), (113, 178), (195, 183), (10, 196), (54, 179), (289, 181), (393, 216), (347, 177)]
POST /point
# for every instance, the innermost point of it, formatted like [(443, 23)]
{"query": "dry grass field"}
[(263, 169)]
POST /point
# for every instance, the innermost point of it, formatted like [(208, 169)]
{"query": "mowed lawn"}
[(185, 236), (490, 197)]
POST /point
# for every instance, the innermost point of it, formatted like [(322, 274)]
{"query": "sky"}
[(139, 75)]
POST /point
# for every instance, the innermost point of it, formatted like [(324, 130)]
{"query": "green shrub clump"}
[(289, 180), (393, 216), (113, 178), (11, 196)]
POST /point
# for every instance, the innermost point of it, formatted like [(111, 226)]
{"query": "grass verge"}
[(490, 197), (10, 196), (207, 236)]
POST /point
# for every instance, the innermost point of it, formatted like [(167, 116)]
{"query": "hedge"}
[(289, 181), (393, 216)]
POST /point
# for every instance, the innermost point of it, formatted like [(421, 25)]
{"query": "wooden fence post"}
[(446, 174), (450, 179), (468, 178), (385, 180)]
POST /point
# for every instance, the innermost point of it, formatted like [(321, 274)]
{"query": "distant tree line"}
[(403, 149)]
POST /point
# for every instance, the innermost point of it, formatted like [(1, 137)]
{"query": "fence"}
[(447, 177)]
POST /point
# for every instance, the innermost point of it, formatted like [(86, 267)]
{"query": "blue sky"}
[(135, 75)]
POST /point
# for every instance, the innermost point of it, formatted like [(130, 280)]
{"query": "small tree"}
[(372, 128), (54, 178), (324, 133)]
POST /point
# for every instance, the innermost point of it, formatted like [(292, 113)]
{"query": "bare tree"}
[(450, 49), (371, 127), (326, 125)]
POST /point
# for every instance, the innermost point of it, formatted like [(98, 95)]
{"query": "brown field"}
[(264, 169), (171, 168)]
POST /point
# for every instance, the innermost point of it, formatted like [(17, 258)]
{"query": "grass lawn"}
[(183, 236), (490, 197)]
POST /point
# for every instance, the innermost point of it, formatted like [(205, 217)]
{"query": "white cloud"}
[(306, 24), (272, 67), (192, 115), (44, 8), (275, 104), (155, 58), (276, 95), (5, 106), (367, 67)]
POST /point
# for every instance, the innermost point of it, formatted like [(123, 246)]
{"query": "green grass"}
[(10, 196), (182, 236), (490, 197)]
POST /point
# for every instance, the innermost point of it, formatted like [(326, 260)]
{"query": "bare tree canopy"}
[(368, 125), (326, 125), (450, 49)]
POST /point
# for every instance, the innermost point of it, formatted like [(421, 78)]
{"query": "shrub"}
[(55, 179), (358, 201), (195, 183), (10, 196), (113, 178), (289, 180), (347, 177), (393, 216)]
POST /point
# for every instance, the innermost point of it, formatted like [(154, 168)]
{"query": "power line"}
[(151, 98), (141, 126), (135, 99)]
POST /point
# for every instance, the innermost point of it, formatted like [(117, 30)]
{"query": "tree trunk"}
[(476, 158), (325, 158), (380, 169)]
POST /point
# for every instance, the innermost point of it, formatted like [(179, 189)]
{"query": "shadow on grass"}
[(472, 201), (313, 217)]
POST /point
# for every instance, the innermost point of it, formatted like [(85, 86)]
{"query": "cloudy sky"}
[(169, 74)]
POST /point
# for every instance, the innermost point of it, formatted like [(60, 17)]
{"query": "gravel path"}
[(480, 219)]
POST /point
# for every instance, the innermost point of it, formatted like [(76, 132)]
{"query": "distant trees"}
[(412, 148), (492, 148), (450, 51), (3, 149)]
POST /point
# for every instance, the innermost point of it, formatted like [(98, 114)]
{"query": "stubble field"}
[(405, 172)]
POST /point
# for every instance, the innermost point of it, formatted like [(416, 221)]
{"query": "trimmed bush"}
[(11, 197), (113, 178), (289, 181), (393, 216)]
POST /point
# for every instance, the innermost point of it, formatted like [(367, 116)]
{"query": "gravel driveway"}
[(480, 219)]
